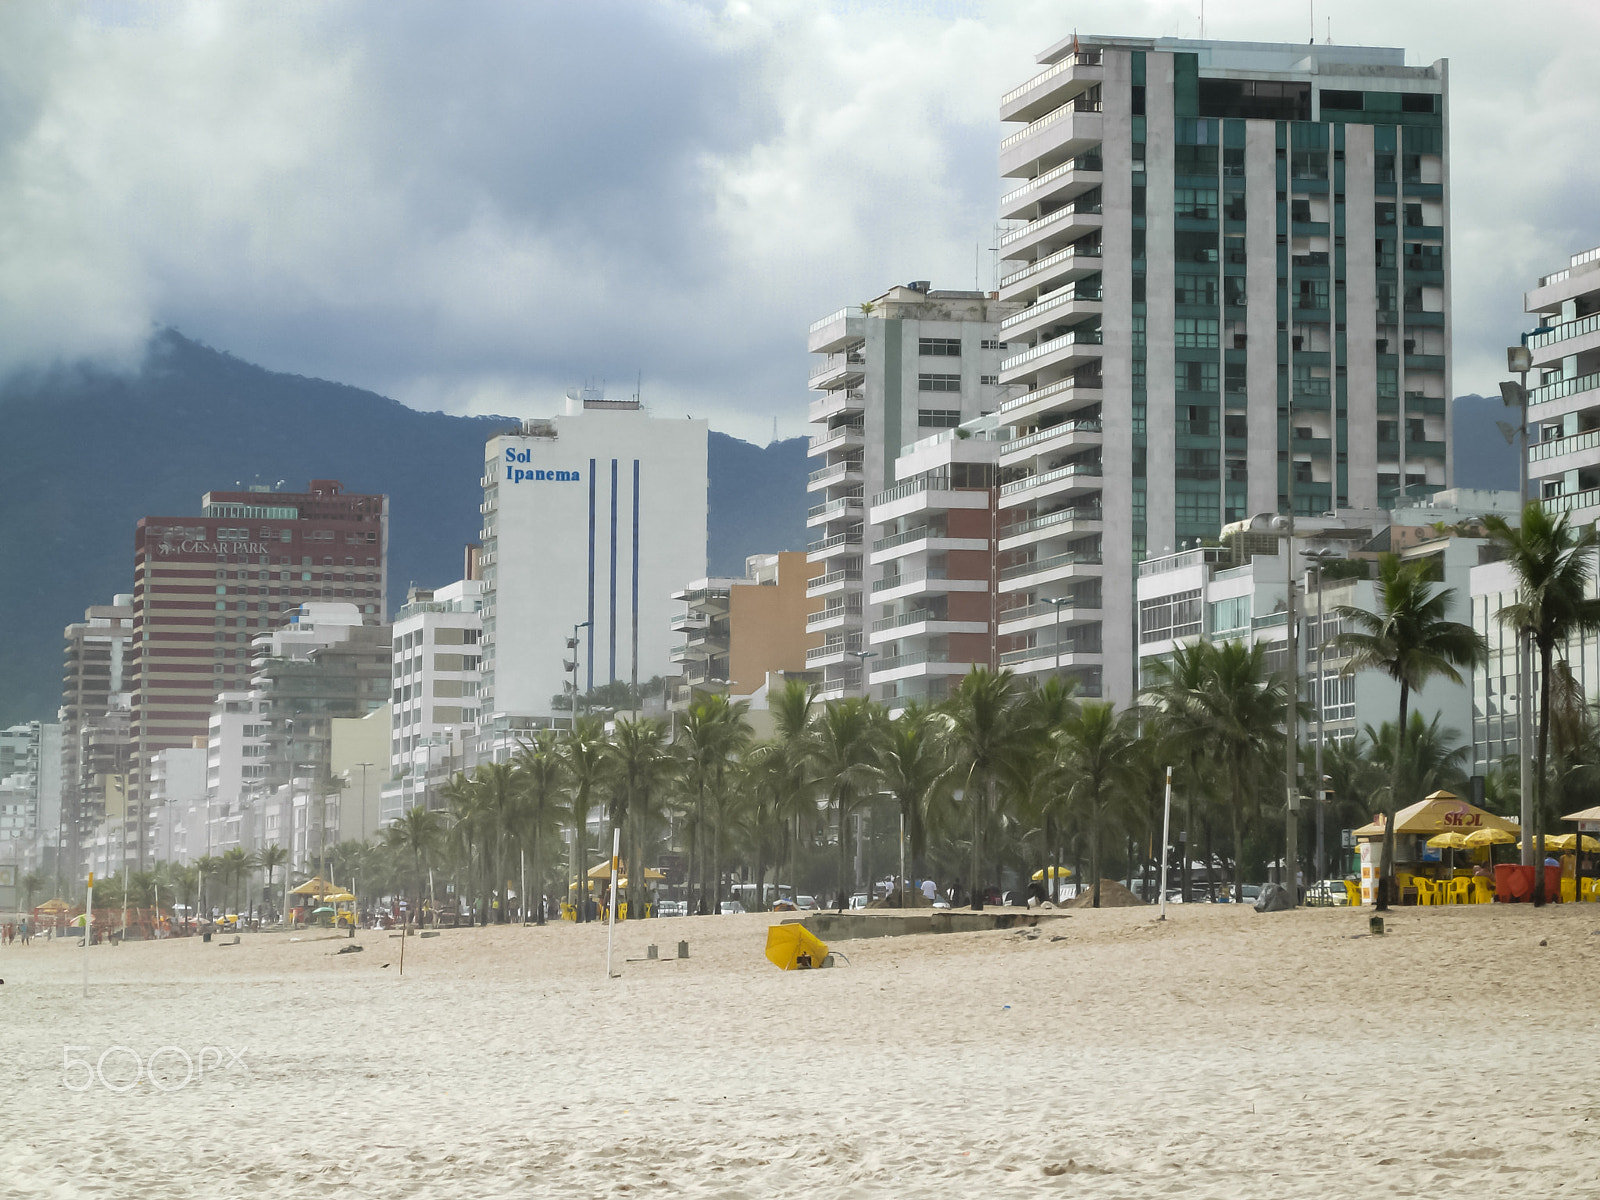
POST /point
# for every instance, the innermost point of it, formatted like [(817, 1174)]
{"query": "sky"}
[(473, 206)]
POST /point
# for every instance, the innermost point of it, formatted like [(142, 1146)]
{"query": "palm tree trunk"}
[(1545, 655), (1236, 816), (1094, 858), (844, 857), (1386, 856)]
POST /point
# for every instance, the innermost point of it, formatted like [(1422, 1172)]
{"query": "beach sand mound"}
[(1112, 895)]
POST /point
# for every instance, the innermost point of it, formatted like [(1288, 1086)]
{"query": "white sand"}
[(1224, 1054)]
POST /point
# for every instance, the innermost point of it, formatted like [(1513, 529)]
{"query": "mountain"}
[(86, 452), (1483, 457)]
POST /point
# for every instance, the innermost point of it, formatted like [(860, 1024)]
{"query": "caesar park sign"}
[(516, 474), (192, 547)]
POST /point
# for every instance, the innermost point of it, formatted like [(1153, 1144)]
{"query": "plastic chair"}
[(1461, 891), (1425, 892), (1482, 890), (1352, 891), (1589, 889)]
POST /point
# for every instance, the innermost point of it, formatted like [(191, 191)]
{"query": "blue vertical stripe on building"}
[(590, 685), (612, 574)]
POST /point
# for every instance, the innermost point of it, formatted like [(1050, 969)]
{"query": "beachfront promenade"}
[(1223, 1053)]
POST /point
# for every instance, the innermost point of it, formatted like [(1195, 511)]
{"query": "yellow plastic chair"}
[(1461, 891), (1424, 889), (1482, 890), (1590, 890), (1353, 890)]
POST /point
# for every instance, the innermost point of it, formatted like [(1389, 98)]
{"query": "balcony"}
[(1579, 443), (835, 369), (834, 652), (851, 434), (846, 683), (1044, 658), (1065, 436), (833, 581), (1056, 351), (1042, 613), (1071, 392), (1056, 566), (1064, 132), (1081, 299), (1082, 519), (836, 331), (849, 471), (1061, 183), (1049, 232), (834, 510), (1571, 502), (829, 547), (1074, 477), (837, 617), (845, 400), (1073, 75), (1064, 266), (691, 622), (1561, 389)]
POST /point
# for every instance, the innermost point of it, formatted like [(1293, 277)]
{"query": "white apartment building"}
[(1232, 264), (591, 519), (911, 362), (1564, 394), (437, 678), (30, 792)]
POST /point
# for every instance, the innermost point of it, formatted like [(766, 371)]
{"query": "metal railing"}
[(833, 614), (1540, 451), (830, 319), (838, 433), (1078, 104), (1072, 382), (1067, 295), (1044, 222), (831, 578), (1563, 331), (1078, 559), (1560, 388), (919, 575), (1033, 481), (923, 483), (911, 658), (833, 469), (1074, 337), (1085, 425), (1083, 58), (916, 617), (1571, 500), (1088, 248), (1065, 516), (909, 535), (1084, 162), (843, 504), (1043, 608), (832, 648), (852, 538)]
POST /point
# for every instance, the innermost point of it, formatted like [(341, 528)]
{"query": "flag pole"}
[(611, 909), (88, 925), (1166, 823)]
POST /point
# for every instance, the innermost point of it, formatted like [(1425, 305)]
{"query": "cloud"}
[(475, 207)]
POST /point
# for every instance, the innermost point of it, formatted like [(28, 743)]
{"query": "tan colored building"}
[(737, 631)]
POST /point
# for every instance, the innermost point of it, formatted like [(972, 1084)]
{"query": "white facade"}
[(915, 362), (1564, 394), (1216, 323), (596, 516), (30, 792), (437, 676)]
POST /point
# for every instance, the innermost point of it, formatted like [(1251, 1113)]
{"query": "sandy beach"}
[(1221, 1054)]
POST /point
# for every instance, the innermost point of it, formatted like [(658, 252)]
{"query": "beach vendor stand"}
[(602, 871), (1421, 871), (310, 893), (344, 909), (1585, 887)]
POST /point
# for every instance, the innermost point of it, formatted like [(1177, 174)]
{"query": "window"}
[(938, 418), (1236, 425), (1338, 697), (940, 347), (1313, 293), (1198, 203), (1196, 464), (1194, 333), (1168, 617), (989, 380), (991, 344), (1196, 376), (938, 383), (1194, 289), (1226, 616)]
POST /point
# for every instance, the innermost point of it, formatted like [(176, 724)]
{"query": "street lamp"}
[(1317, 558), (580, 912), (571, 664), (861, 657), (1059, 602), (1515, 395)]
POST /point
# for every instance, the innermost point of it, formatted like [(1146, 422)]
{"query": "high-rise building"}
[(434, 699), (30, 792), (1564, 395), (205, 586), (94, 674), (1232, 266), (736, 631), (591, 520), (906, 365)]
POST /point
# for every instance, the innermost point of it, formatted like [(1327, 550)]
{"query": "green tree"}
[(914, 767), (989, 731), (846, 740), (1411, 640), (1096, 750), (1181, 726), (783, 766), (417, 837), (1553, 564), (272, 857), (587, 760), (33, 883), (714, 732), (210, 870), (541, 804), (642, 763)]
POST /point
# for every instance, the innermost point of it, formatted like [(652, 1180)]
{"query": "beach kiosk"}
[(1419, 868), (602, 873), (308, 897)]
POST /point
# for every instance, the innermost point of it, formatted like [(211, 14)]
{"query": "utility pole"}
[(580, 908), (1291, 722), (1520, 359)]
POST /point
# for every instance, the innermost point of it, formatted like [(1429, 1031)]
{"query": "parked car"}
[(806, 903), (1328, 893), (672, 908), (731, 907), (859, 900)]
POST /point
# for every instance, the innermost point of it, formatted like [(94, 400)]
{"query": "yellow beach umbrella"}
[(337, 898), (1488, 837), (1055, 873), (786, 943), (1564, 842), (1448, 841)]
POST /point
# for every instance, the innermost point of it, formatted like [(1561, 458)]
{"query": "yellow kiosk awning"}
[(1442, 812)]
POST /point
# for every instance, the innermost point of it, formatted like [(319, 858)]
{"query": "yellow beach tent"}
[(786, 943), (1442, 812)]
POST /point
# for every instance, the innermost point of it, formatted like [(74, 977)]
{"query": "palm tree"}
[(585, 754), (1095, 752), (783, 765), (208, 867), (32, 884), (641, 763), (1180, 724), (418, 836), (541, 810), (713, 733), (913, 766), (846, 740), (271, 858), (1553, 564), (1411, 640), (494, 787), (990, 731)]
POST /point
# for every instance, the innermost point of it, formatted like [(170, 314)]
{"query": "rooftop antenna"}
[(1311, 6), (1202, 20), (774, 426)]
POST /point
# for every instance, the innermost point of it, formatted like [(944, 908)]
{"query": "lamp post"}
[(580, 896), (1515, 395), (1317, 558), (1291, 718), (1058, 603), (861, 657)]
